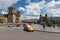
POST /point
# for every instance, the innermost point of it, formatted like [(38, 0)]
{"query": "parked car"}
[(10, 25), (18, 25)]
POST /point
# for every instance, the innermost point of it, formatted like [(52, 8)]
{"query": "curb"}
[(47, 31)]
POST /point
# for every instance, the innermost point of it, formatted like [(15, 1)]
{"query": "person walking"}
[(54, 24), (43, 26)]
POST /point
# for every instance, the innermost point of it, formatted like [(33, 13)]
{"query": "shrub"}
[(50, 23)]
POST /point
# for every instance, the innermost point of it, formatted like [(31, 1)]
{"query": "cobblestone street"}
[(19, 34)]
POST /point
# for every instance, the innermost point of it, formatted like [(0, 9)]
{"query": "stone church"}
[(42, 19), (11, 17)]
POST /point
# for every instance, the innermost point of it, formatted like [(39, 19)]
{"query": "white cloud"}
[(53, 8), (4, 4), (21, 9), (3, 12), (50, 4), (29, 17), (33, 9)]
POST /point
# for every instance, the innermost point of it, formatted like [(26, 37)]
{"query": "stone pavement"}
[(19, 34)]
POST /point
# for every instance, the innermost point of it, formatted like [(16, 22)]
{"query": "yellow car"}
[(28, 27)]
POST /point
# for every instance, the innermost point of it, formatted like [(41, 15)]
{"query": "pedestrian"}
[(43, 25), (54, 26)]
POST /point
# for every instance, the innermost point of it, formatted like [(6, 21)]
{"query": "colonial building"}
[(18, 20), (3, 18), (43, 18), (55, 20), (11, 17)]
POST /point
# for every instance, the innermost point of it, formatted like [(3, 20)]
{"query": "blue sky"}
[(32, 8), (23, 3)]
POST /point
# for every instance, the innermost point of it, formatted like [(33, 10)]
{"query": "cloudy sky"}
[(31, 9)]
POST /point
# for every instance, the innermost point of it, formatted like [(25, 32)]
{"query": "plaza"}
[(17, 33)]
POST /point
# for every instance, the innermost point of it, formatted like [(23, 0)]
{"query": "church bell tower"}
[(18, 17), (11, 18)]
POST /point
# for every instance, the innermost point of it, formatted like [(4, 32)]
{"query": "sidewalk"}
[(53, 30), (47, 29)]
